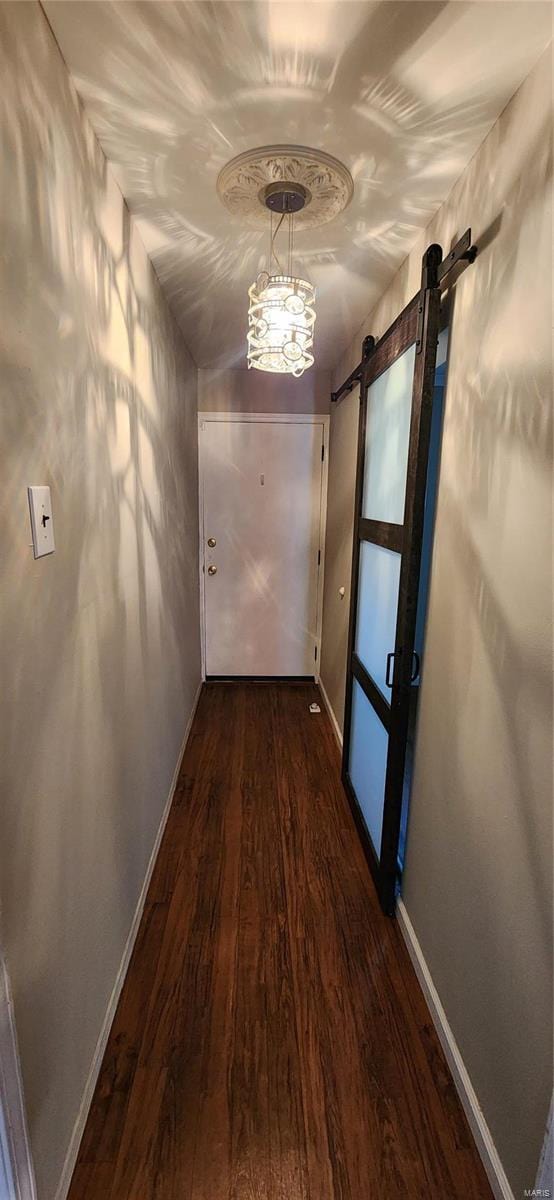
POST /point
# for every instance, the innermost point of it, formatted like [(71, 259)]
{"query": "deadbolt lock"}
[(212, 570), (211, 543)]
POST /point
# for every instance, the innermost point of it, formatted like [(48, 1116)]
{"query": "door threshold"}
[(260, 679)]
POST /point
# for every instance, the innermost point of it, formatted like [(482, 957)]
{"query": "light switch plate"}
[(42, 523)]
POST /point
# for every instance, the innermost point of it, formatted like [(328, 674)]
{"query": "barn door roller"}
[(436, 270)]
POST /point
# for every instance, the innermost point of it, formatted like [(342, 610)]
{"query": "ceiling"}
[(403, 93)]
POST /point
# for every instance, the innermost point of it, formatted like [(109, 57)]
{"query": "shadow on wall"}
[(205, 81), (100, 641), (506, 402), (483, 772)]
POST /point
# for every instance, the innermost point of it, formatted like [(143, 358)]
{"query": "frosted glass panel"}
[(389, 406), (367, 767), (377, 609)]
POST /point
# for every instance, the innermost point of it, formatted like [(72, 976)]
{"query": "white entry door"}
[(262, 508)]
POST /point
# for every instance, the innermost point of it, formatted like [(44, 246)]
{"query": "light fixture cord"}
[(273, 253)]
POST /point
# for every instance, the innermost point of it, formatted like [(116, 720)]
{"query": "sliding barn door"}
[(396, 396)]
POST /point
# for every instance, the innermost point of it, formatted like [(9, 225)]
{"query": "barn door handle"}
[(390, 673)]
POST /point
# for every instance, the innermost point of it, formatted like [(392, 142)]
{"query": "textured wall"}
[(100, 645), (236, 390), (478, 875)]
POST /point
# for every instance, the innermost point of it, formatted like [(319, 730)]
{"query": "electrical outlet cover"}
[(42, 523)]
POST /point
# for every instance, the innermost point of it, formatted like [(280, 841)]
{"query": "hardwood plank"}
[(137, 1160), (374, 1055), (212, 1144), (268, 1136), (91, 1180), (271, 1040), (104, 1127), (181, 1020)]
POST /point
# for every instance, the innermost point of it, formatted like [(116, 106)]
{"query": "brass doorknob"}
[(211, 543), (212, 570)]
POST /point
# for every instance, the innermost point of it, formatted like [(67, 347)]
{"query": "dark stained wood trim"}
[(419, 323), (390, 346), (373, 693), (463, 250), (397, 338), (362, 829), (414, 510), (382, 533), (395, 341)]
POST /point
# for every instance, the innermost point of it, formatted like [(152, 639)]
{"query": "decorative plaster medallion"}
[(242, 183)]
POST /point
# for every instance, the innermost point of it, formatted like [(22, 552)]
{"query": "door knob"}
[(211, 543), (212, 570)]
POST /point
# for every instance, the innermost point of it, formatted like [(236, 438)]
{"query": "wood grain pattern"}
[(394, 341), (271, 1041)]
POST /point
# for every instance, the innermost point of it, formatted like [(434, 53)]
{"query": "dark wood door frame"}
[(419, 322)]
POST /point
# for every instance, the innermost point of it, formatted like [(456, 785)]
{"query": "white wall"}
[(100, 646), (240, 390), (478, 886)]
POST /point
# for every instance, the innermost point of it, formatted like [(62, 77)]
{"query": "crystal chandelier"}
[(302, 188), (281, 315)]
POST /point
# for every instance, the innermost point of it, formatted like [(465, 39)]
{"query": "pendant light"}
[(295, 188), (281, 315)]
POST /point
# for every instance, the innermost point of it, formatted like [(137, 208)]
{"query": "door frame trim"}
[(282, 418), (16, 1161)]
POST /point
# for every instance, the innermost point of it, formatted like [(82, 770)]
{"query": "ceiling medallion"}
[(300, 189), (327, 184)]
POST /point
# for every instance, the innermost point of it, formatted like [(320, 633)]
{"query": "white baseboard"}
[(17, 1180), (545, 1173), (333, 719), (464, 1087), (78, 1128)]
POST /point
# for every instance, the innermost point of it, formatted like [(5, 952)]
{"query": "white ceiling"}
[(403, 93)]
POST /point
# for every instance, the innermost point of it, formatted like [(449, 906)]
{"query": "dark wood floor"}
[(271, 1040)]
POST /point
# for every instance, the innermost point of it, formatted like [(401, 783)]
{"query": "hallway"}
[(271, 1040)]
